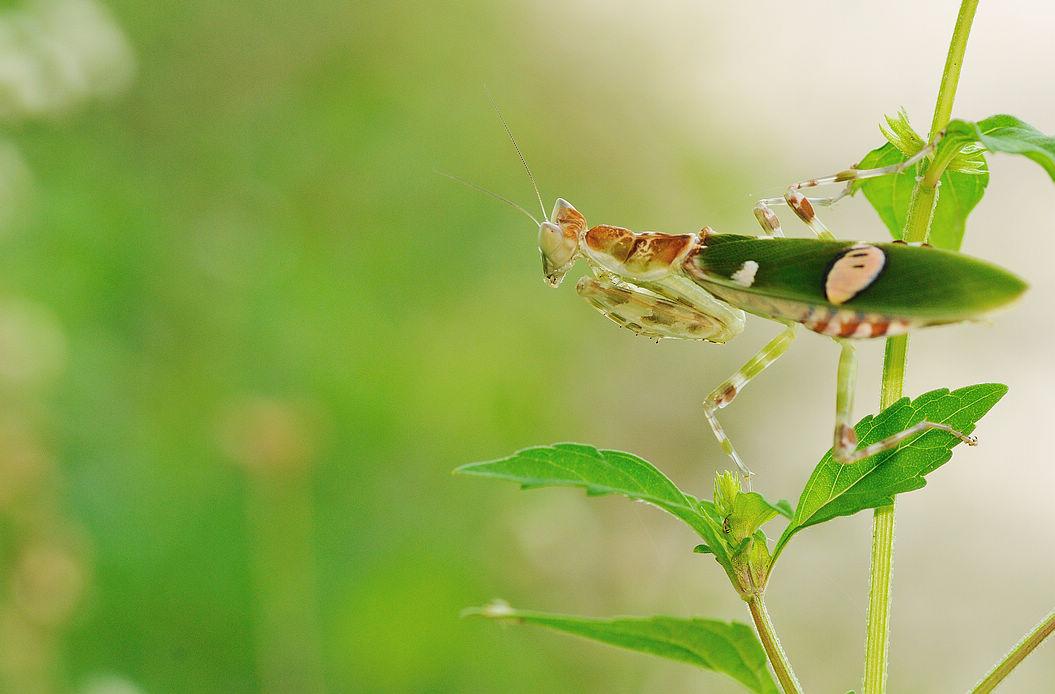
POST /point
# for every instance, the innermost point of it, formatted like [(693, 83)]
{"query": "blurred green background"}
[(246, 332)]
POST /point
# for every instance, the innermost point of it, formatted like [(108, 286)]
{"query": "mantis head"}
[(558, 236), (558, 241)]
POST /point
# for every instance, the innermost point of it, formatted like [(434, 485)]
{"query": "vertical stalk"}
[(273, 440), (950, 77), (921, 210), (289, 649), (768, 635)]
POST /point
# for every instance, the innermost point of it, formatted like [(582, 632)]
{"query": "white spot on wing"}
[(745, 276)]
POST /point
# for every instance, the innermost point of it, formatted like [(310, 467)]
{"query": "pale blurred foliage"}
[(268, 436), (58, 54), (55, 56), (109, 684), (16, 186), (48, 567), (32, 346)]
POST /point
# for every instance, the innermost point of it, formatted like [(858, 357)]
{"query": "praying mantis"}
[(700, 286)]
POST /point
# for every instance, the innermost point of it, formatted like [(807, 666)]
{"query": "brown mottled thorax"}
[(642, 254), (570, 220)]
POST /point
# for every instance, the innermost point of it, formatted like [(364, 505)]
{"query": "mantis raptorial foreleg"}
[(803, 206), (844, 447), (724, 394), (655, 315)]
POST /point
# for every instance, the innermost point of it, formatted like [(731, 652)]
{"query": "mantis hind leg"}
[(727, 391), (844, 446)]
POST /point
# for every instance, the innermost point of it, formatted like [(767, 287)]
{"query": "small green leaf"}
[(890, 196), (841, 490), (759, 558), (596, 471), (785, 508), (730, 648), (898, 132), (750, 511), (702, 549), (726, 489), (606, 472), (958, 195), (752, 563), (1003, 133)]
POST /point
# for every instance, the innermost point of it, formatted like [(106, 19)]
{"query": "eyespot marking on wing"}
[(853, 272)]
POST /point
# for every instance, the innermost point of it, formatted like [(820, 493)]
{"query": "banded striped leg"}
[(724, 394), (803, 206), (844, 448)]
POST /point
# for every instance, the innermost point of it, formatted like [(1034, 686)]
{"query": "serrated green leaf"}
[(841, 490), (730, 648), (596, 471), (1004, 133), (606, 472), (958, 194)]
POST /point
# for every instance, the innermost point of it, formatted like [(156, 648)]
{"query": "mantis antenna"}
[(488, 192), (519, 153)]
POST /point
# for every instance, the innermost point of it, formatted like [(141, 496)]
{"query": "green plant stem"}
[(925, 194), (921, 211), (768, 635), (950, 77), (1017, 654)]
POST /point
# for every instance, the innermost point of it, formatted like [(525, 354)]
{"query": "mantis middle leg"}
[(727, 391)]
